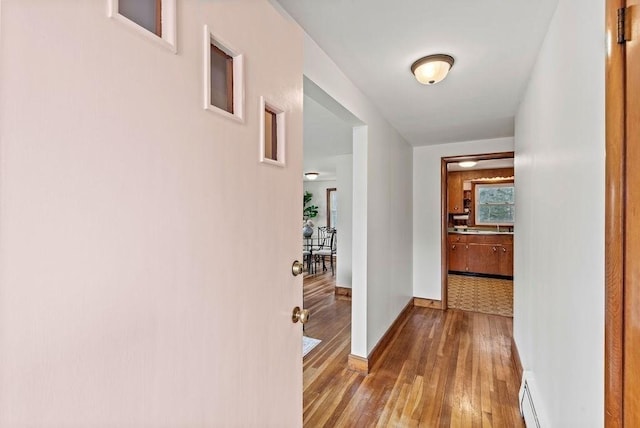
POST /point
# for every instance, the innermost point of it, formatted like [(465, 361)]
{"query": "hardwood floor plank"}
[(410, 412), (443, 369)]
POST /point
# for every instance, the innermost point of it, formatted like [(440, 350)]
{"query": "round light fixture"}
[(467, 164), (432, 69), (311, 175)]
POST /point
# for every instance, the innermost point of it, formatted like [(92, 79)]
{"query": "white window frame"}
[(478, 186), (238, 77), (280, 133)]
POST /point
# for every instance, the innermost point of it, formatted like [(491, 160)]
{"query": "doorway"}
[(477, 232), (331, 147)]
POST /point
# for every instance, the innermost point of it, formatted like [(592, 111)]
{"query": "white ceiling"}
[(374, 42), (325, 136)]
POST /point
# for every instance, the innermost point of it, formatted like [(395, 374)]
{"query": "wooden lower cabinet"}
[(483, 254), (483, 258), (506, 260), (457, 256)]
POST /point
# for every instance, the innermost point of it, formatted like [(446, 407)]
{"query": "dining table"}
[(310, 243)]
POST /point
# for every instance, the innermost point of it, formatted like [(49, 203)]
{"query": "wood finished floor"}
[(443, 369)]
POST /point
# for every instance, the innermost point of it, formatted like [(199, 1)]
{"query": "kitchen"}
[(479, 235)]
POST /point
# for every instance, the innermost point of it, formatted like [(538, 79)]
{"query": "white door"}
[(145, 251)]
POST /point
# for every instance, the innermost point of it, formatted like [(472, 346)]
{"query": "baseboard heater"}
[(527, 397)]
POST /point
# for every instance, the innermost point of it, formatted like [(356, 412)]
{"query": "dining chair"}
[(327, 251), (322, 239)]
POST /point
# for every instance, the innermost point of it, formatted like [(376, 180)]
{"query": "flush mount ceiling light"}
[(311, 175), (467, 164), (432, 69)]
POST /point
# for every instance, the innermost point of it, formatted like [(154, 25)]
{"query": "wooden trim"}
[(358, 364), (343, 291), (230, 103), (614, 221), (631, 226), (498, 181), (272, 117), (159, 18), (444, 213), (478, 157), (215, 50), (444, 234), (364, 365), (515, 358), (427, 303)]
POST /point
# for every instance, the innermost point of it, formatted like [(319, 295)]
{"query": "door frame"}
[(615, 213), (444, 213)]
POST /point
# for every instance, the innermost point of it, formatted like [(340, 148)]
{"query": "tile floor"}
[(476, 294)]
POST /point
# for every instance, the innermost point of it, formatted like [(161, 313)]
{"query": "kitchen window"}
[(494, 204)]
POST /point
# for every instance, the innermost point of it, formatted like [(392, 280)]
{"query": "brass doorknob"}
[(301, 315), (297, 268)]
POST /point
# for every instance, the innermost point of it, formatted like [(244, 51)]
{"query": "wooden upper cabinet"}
[(455, 184), (454, 192)]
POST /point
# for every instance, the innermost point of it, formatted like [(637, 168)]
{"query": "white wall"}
[(124, 301), (344, 170), (319, 190), (359, 296), (427, 258), (383, 169), (559, 246)]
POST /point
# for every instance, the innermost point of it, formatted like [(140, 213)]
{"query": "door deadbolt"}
[(297, 268), (301, 315)]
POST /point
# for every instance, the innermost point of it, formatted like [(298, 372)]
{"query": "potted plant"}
[(308, 212)]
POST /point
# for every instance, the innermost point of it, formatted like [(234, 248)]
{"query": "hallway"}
[(446, 369)]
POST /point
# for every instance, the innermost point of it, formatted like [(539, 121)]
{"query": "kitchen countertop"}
[(479, 232)]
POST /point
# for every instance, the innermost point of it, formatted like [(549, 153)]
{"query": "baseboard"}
[(427, 303), (515, 357), (481, 275), (364, 365), (343, 291), (358, 364)]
